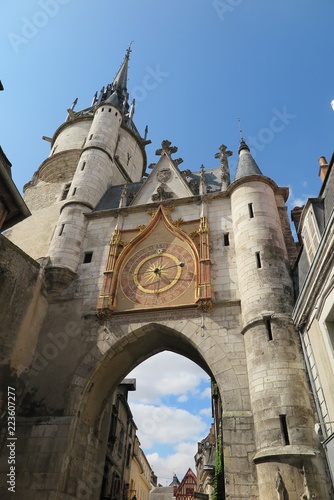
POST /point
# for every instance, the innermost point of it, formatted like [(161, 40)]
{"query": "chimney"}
[(323, 167)]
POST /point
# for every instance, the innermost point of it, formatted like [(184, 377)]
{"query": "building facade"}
[(314, 310), (141, 474), (187, 487), (120, 446), (131, 264), (205, 460)]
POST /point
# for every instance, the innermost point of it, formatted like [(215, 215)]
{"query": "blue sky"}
[(195, 68), (172, 409)]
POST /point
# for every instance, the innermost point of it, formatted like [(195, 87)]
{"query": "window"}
[(83, 165), (65, 191), (310, 234), (128, 456), (91, 137), (284, 429), (74, 191), (61, 229), (88, 257), (113, 426), (189, 491), (267, 322), (226, 240), (258, 260), (250, 210), (121, 442), (329, 322), (116, 486)]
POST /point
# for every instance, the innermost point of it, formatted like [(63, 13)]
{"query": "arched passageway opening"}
[(172, 409), (93, 410)]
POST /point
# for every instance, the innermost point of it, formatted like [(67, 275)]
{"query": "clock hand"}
[(165, 279), (180, 264)]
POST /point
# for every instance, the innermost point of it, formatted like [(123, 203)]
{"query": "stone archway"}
[(118, 350)]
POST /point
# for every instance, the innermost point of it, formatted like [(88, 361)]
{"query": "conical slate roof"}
[(246, 163)]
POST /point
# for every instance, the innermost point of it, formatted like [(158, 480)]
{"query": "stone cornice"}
[(315, 278), (284, 191)]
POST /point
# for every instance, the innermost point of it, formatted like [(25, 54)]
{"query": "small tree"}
[(218, 482)]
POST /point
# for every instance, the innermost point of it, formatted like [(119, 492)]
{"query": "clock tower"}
[(134, 263)]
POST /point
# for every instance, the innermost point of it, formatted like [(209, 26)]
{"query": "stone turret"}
[(94, 148), (278, 388)]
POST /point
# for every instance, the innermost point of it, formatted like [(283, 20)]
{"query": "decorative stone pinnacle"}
[(224, 168), (223, 154), (166, 149), (202, 184)]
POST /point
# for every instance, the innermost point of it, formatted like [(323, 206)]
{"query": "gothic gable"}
[(165, 182)]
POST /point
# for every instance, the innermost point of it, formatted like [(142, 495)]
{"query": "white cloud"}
[(165, 382), (183, 398), (207, 412), (178, 462), (166, 425), (166, 374), (206, 393), (297, 201)]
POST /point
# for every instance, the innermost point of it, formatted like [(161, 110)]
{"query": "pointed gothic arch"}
[(111, 359)]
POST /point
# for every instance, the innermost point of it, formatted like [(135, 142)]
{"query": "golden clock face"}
[(158, 274)]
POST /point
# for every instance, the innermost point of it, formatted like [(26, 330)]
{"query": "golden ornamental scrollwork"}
[(115, 238), (193, 235), (104, 314), (204, 225), (204, 305), (178, 222), (167, 210)]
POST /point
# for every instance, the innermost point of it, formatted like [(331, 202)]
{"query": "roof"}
[(10, 196), (188, 475), (162, 493), (112, 197), (246, 163)]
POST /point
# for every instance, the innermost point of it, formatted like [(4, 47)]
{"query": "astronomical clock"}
[(158, 274), (158, 268)]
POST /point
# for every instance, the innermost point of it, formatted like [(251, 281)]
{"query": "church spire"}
[(121, 78), (116, 92), (246, 163)]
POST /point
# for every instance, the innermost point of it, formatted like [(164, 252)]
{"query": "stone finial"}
[(166, 148), (323, 167), (202, 182), (224, 168), (122, 200)]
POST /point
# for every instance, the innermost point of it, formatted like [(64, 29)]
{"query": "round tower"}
[(282, 412), (112, 153)]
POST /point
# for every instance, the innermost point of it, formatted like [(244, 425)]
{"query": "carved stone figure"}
[(164, 175)]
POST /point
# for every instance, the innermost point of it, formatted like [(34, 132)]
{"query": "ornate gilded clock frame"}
[(117, 260)]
